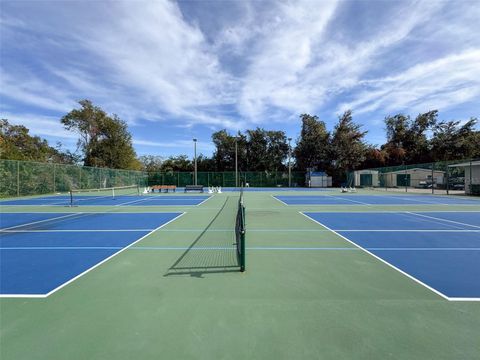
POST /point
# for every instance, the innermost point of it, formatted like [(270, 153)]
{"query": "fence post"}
[(54, 181), (433, 181), (470, 185), (448, 177), (18, 178)]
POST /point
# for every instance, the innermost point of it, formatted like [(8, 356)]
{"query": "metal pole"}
[(289, 163), (195, 160), (470, 187), (433, 179), (54, 179), (236, 162), (18, 178)]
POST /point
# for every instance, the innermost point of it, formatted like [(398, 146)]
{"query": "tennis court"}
[(41, 253), (439, 250), (324, 278), (120, 200), (357, 199)]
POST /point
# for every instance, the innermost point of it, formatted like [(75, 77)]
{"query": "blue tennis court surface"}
[(122, 200), (375, 200), (439, 249), (41, 252)]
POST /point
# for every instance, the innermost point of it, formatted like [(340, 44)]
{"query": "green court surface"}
[(307, 293)]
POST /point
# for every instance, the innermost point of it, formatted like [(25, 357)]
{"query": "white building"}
[(366, 178), (414, 177), (472, 176)]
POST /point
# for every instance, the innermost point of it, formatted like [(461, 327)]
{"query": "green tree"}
[(407, 140), (313, 145), (224, 155), (151, 163), (104, 140), (177, 163), (205, 163), (374, 157), (347, 146), (452, 141), (16, 143)]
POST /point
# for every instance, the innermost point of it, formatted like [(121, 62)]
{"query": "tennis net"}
[(240, 231), (79, 195)]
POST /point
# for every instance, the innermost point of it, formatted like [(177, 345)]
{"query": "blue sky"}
[(179, 70)]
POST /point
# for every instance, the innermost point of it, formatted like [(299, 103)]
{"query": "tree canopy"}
[(104, 140), (16, 143)]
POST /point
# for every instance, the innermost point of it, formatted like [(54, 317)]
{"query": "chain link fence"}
[(227, 178), (448, 177), (20, 178)]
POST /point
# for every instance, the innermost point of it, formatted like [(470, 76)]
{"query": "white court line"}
[(402, 197), (228, 248), (93, 267), (409, 230), (208, 198), (77, 230), (345, 198), (132, 202), (378, 258), (273, 196), (463, 299), (40, 221), (440, 219)]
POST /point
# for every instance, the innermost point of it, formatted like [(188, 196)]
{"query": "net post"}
[(113, 193), (71, 198)]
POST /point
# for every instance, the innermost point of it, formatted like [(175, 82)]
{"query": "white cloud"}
[(201, 146), (439, 84), (146, 61), (40, 125)]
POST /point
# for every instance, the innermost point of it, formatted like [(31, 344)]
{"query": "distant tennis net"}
[(79, 195), (240, 232)]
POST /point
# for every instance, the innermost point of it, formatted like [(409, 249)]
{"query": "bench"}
[(194, 188), (165, 188)]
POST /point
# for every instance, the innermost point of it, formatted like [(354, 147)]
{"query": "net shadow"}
[(212, 251)]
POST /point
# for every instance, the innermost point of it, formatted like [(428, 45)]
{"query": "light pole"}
[(236, 161), (289, 163), (195, 160)]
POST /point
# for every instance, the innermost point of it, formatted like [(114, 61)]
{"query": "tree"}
[(257, 150), (151, 163), (224, 155), (313, 144), (177, 163), (277, 150), (407, 140), (374, 157), (104, 140), (450, 141), (16, 143), (347, 146), (204, 163)]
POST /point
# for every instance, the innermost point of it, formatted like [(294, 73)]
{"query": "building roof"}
[(414, 170), (466, 164)]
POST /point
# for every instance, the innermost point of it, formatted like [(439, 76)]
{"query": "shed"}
[(414, 177), (472, 176)]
